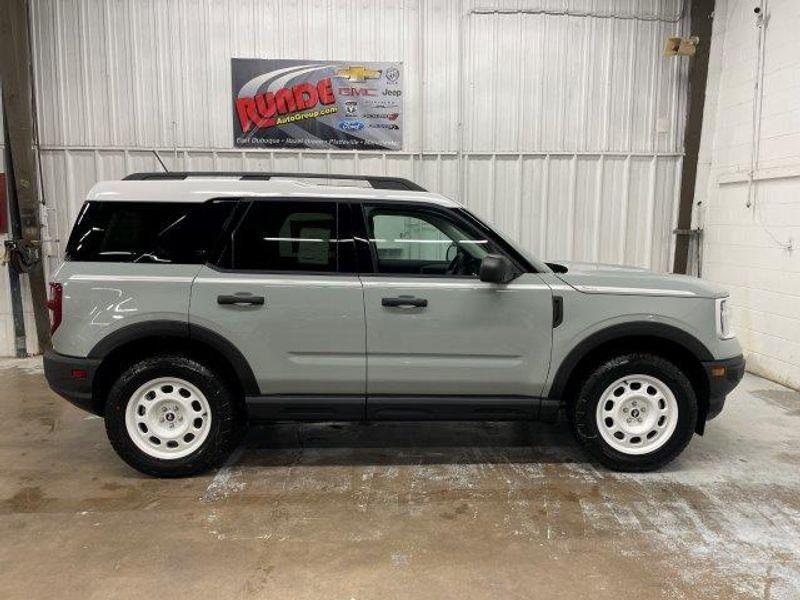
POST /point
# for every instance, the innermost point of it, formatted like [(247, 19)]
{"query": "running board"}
[(305, 408), (292, 407)]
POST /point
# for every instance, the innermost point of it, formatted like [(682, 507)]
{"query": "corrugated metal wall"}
[(560, 121)]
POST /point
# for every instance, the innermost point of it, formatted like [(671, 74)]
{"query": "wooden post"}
[(15, 73), (702, 15)]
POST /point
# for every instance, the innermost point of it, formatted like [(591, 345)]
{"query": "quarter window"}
[(424, 242), (147, 232), (287, 236)]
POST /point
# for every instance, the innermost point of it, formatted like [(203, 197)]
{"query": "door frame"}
[(274, 407), (442, 407)]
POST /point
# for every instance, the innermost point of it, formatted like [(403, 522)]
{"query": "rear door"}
[(285, 294), (434, 330)]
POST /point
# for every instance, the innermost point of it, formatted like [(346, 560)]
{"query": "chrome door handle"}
[(401, 301), (240, 298)]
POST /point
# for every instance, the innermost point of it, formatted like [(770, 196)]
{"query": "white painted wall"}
[(561, 125), (747, 248)]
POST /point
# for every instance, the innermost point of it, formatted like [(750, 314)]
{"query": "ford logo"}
[(351, 125)]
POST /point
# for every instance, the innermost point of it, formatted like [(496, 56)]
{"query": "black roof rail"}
[(378, 182)]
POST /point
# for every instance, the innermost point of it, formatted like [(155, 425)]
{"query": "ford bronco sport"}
[(190, 304)]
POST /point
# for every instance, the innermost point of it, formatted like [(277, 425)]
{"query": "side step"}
[(290, 407)]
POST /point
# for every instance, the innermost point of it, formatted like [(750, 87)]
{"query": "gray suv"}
[(190, 304)]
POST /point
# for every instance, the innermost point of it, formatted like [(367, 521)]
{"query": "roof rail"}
[(378, 182)]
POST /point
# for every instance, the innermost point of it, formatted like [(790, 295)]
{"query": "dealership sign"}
[(317, 104)]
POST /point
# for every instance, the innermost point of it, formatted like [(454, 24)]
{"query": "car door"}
[(285, 294), (441, 343)]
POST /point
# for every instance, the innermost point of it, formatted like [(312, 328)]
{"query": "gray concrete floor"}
[(497, 510)]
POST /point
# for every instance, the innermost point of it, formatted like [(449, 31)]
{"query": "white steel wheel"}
[(637, 414), (168, 418)]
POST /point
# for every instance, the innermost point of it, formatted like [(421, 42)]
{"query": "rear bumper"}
[(71, 377), (723, 376)]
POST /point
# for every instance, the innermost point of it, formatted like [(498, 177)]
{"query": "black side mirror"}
[(496, 268)]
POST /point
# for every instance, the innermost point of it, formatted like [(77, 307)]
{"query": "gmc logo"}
[(354, 91)]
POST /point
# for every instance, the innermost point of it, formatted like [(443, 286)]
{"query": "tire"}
[(178, 402), (634, 396)]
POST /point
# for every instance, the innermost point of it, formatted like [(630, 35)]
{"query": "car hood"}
[(593, 278)]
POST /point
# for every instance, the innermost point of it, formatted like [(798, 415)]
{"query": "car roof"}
[(200, 189)]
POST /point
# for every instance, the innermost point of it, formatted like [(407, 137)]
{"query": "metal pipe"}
[(576, 13), (758, 97), (421, 80), (260, 152)]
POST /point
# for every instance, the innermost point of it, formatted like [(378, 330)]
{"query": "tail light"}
[(54, 303)]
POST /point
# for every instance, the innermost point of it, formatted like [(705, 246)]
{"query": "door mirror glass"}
[(496, 268)]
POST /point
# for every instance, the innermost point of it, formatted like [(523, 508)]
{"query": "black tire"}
[(582, 411), (223, 433)]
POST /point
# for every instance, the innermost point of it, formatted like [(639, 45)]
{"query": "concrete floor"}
[(498, 510)]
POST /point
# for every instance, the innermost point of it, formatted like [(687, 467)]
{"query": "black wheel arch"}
[(120, 348), (670, 342)]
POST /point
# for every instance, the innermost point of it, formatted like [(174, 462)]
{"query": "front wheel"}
[(635, 412), (171, 416)]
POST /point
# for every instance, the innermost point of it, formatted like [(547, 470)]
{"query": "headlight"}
[(723, 318)]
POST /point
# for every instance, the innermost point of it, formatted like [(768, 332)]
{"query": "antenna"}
[(161, 162)]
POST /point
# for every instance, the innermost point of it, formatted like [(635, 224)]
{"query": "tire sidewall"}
[(584, 411), (213, 449)]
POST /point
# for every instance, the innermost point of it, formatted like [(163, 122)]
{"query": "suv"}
[(190, 304)]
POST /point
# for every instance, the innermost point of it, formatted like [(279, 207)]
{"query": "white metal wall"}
[(558, 120)]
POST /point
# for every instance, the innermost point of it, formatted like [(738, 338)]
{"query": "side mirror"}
[(496, 268)]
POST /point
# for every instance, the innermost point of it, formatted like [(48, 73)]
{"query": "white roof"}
[(199, 189)]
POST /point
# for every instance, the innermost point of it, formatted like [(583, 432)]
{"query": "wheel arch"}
[(674, 344), (125, 345)]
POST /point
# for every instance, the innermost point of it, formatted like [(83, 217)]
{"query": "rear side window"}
[(147, 232), (286, 236)]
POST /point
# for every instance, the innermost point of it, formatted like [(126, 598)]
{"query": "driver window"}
[(418, 242)]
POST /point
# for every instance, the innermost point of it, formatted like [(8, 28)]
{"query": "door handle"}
[(404, 301), (241, 298)]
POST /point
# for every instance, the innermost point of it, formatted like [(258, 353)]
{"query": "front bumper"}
[(723, 376), (71, 377)]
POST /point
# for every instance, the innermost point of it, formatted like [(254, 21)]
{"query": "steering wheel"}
[(452, 250), (463, 264), (457, 264)]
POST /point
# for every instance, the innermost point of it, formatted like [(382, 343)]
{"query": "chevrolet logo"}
[(357, 74)]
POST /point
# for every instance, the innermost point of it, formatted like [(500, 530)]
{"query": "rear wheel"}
[(635, 412), (171, 416)]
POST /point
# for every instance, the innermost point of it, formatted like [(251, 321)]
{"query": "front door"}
[(434, 330), (286, 298)]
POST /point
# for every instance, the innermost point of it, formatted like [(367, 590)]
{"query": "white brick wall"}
[(745, 248)]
